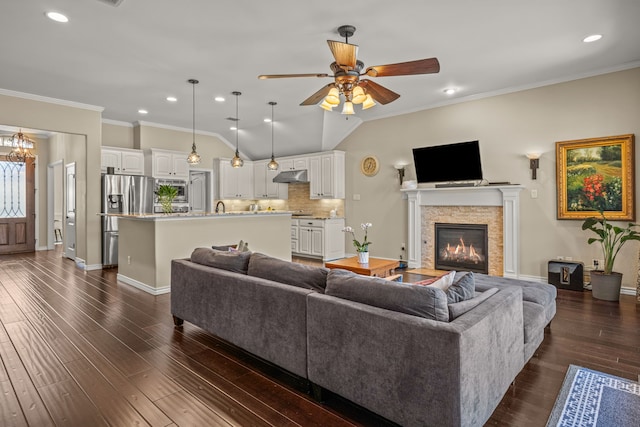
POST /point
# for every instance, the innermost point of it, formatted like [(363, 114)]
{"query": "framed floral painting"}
[(595, 175)]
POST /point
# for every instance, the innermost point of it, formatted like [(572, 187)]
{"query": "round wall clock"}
[(369, 165)]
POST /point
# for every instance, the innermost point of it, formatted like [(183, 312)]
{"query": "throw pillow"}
[(459, 308), (443, 282), (462, 289), (237, 262), (422, 301), (290, 273), (438, 280)]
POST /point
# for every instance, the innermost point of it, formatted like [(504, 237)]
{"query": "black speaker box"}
[(566, 275)]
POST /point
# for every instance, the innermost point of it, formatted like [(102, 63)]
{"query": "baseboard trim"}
[(92, 267), (143, 286)]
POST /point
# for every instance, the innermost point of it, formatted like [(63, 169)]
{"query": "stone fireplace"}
[(497, 207)]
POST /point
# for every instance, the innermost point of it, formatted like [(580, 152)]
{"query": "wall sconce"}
[(400, 168), (534, 163)]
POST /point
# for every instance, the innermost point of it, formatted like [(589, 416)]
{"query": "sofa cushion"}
[(423, 301), (290, 273), (462, 289), (536, 292), (459, 308), (237, 262)]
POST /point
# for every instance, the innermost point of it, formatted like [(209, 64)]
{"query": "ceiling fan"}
[(347, 70)]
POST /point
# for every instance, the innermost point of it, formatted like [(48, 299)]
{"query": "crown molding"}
[(117, 123), (180, 129), (48, 100)]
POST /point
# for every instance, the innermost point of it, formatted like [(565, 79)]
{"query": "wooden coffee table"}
[(377, 267)]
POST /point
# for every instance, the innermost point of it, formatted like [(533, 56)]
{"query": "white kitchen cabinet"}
[(294, 163), (123, 161), (263, 185), (318, 238), (326, 175), (233, 183), (166, 164), (294, 236)]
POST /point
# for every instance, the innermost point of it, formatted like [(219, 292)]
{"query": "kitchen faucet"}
[(217, 206)]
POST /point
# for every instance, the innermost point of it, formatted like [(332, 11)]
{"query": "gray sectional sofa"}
[(408, 353)]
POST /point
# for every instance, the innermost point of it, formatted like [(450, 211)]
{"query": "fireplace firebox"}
[(461, 247)]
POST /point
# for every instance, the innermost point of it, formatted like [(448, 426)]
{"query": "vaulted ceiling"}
[(134, 55)]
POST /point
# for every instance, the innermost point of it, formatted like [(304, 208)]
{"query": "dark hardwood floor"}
[(79, 349)]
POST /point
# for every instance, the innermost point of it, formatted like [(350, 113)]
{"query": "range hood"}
[(291, 176)]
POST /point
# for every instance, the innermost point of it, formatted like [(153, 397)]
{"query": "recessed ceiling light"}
[(141, 111), (449, 91), (58, 17), (267, 120), (219, 98), (592, 38), (233, 128), (172, 98)]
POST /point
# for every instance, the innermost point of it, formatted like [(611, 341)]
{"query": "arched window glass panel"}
[(12, 189)]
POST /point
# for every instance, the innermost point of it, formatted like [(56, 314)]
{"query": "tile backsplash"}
[(298, 201)]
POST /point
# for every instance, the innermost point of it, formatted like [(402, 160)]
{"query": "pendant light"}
[(194, 157), (21, 151), (237, 162), (272, 165)]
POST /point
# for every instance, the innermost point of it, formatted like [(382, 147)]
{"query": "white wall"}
[(508, 126), (31, 111)]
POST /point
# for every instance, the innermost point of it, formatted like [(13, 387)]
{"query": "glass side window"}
[(12, 189)]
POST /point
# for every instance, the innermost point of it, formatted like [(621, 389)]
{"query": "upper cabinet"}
[(294, 163), (326, 175), (123, 161), (166, 164), (233, 183), (263, 185)]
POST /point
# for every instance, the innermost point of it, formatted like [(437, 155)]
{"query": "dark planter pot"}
[(606, 286)]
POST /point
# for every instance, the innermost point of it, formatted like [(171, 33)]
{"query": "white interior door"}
[(198, 190), (54, 203), (70, 211)]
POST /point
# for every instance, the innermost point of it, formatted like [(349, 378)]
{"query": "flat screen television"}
[(448, 163)]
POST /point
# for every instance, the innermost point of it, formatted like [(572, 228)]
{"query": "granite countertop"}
[(191, 215)]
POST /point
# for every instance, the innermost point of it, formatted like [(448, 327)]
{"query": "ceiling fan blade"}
[(344, 53), (319, 95), (379, 93), (284, 76), (420, 66)]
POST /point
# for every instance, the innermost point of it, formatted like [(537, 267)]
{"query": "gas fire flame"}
[(461, 253)]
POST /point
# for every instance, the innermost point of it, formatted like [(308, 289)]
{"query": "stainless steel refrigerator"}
[(122, 194)]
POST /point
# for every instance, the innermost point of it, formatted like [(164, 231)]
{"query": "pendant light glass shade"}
[(237, 162), (272, 165), (194, 157)]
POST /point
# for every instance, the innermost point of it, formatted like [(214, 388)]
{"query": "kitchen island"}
[(148, 243)]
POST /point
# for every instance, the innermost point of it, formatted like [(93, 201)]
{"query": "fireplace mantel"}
[(507, 196)]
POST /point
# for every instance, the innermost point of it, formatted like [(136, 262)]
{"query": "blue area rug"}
[(592, 398)]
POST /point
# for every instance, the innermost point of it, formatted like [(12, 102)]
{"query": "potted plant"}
[(166, 194), (361, 248), (606, 283)]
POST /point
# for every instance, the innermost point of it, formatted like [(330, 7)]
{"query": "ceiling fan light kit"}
[(347, 72)]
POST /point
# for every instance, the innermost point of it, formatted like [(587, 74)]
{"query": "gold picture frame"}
[(596, 174)]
